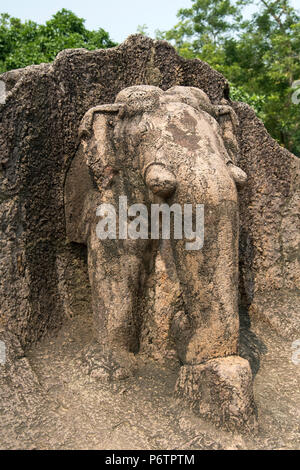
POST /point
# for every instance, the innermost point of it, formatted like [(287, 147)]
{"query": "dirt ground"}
[(55, 405)]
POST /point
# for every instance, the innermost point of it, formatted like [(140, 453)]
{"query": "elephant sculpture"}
[(173, 146)]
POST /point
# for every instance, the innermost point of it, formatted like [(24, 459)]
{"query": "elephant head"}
[(140, 129)]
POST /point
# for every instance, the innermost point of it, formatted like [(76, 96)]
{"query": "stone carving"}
[(175, 147), (44, 279)]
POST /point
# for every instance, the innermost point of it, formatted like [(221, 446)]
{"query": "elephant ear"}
[(92, 168), (229, 123), (96, 137)]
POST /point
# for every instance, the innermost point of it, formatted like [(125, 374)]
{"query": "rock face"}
[(43, 276), (220, 390), (159, 150), (151, 148), (270, 228), (39, 126)]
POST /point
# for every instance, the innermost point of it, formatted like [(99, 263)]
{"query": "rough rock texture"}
[(21, 394), (43, 277), (71, 410), (152, 146), (270, 228), (39, 124), (165, 148), (221, 390)]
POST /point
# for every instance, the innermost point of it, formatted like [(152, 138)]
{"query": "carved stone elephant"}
[(174, 147)]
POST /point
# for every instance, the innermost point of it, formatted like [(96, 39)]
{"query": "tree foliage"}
[(27, 43), (258, 53)]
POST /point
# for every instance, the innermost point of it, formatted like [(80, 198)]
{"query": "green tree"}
[(142, 29), (29, 43), (259, 55)]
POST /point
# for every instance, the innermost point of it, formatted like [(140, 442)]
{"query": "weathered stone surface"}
[(161, 147), (39, 123), (21, 396), (43, 278), (152, 146), (81, 412), (269, 228), (220, 390)]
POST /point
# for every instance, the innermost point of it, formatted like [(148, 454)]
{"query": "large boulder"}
[(269, 228), (43, 276)]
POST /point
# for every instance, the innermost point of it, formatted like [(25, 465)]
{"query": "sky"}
[(119, 17)]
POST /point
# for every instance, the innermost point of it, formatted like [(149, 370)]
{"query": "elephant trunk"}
[(237, 174), (160, 180)]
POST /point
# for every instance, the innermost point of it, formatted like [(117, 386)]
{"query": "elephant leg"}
[(214, 381), (117, 270), (209, 327)]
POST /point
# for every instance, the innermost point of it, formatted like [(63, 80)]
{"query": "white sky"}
[(119, 17)]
